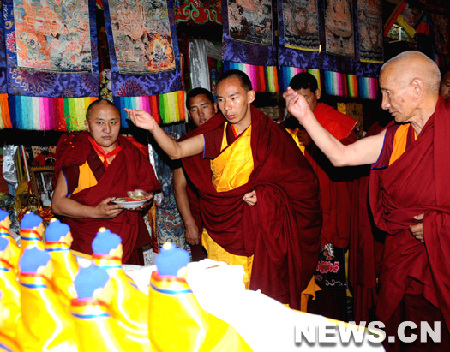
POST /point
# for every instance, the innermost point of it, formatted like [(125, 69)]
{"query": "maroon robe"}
[(335, 183), (129, 170), (415, 183), (282, 229)]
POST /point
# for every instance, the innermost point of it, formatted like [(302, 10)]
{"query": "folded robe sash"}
[(415, 183), (282, 230)]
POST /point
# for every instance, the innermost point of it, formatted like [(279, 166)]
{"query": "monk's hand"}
[(417, 230), (141, 119), (297, 105), (106, 210), (250, 198), (192, 233)]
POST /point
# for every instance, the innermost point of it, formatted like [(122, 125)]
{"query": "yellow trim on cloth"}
[(294, 135), (308, 292), (87, 178), (231, 169), (399, 144)]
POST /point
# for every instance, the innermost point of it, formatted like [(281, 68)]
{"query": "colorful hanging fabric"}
[(367, 87), (335, 83), (286, 73), (197, 11), (248, 39), (51, 49), (165, 108), (5, 120), (38, 113), (263, 77)]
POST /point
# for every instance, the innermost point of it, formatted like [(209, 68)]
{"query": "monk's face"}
[(397, 94), (234, 102), (104, 124), (445, 86), (201, 109), (310, 97)]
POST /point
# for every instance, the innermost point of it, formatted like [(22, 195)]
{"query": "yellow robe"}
[(231, 169)]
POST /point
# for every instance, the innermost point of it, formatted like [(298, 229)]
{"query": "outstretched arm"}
[(174, 149), (62, 205), (192, 232), (363, 151)]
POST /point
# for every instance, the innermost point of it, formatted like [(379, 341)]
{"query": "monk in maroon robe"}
[(275, 214), (409, 193), (92, 169)]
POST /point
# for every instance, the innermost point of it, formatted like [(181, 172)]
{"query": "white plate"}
[(129, 204)]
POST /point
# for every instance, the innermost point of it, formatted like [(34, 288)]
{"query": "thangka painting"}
[(53, 35), (301, 27), (51, 48), (143, 47), (251, 21), (370, 31), (339, 28), (441, 33), (142, 36)]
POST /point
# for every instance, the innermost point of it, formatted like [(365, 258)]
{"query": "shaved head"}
[(410, 65)]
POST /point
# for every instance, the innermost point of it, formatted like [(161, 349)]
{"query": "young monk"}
[(258, 194)]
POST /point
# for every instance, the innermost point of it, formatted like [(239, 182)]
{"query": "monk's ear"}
[(418, 87), (216, 108), (318, 93), (86, 124), (251, 96)]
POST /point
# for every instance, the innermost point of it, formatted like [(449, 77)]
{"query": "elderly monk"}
[(95, 167), (408, 192), (258, 194)]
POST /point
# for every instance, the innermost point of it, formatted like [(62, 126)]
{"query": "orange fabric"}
[(101, 153), (399, 145)]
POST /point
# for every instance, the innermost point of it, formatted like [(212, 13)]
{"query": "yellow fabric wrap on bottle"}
[(231, 169), (13, 247), (176, 322), (9, 301), (46, 325), (96, 329), (65, 268), (129, 306)]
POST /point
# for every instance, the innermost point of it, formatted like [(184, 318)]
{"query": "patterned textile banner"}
[(165, 108), (286, 74), (299, 40), (60, 114), (143, 47), (441, 33), (367, 87), (265, 78), (248, 38), (335, 83), (3, 85), (198, 11), (5, 120), (370, 31), (339, 28), (51, 49)]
